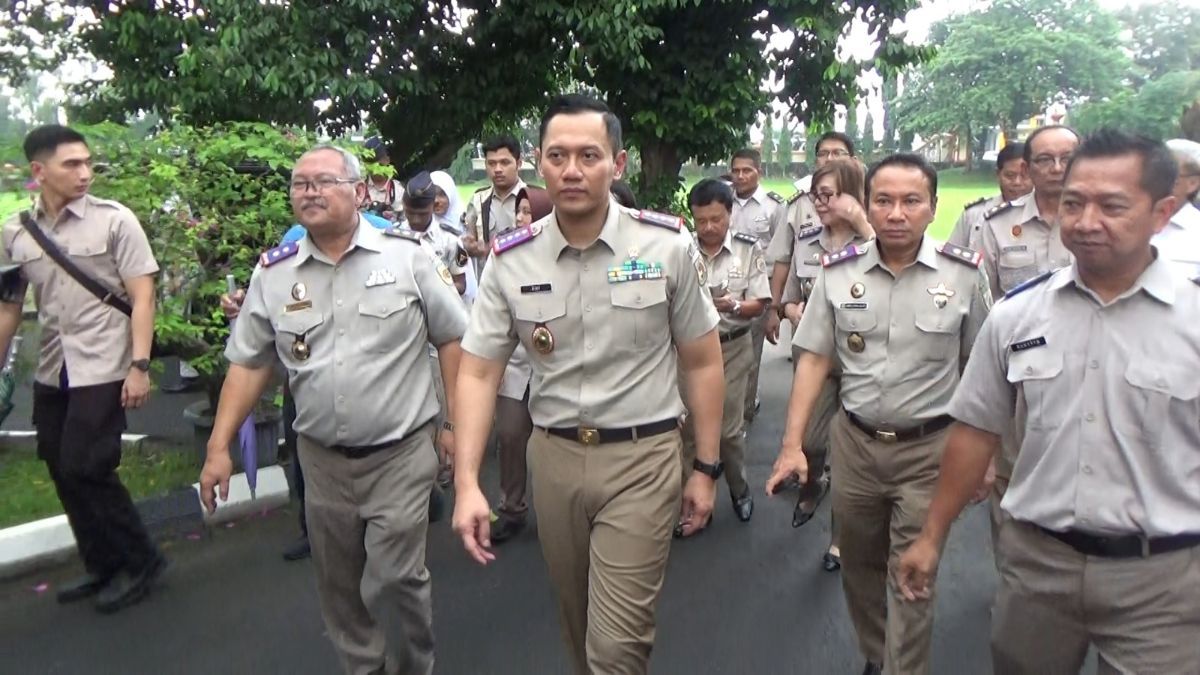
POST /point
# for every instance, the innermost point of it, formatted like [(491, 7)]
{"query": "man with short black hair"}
[(493, 208), (1012, 175)]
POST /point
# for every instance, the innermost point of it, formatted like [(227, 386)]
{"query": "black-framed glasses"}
[(834, 154), (823, 198), (1046, 161), (319, 184)]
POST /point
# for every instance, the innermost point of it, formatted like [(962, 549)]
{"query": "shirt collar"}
[(365, 236), (76, 207), (1157, 281), (1030, 209), (927, 254), (520, 185), (609, 233)]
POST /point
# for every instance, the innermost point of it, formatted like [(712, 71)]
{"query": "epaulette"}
[(660, 219), (485, 187), (1024, 286), (975, 203), (796, 196), (851, 251), (962, 254), (449, 227), (998, 209), (403, 234), (1196, 280), (748, 238), (775, 196), (809, 231), (514, 238), (283, 252)]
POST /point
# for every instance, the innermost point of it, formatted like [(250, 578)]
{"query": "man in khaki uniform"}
[(493, 209), (760, 214), (1097, 363), (93, 360), (418, 218), (898, 316), (1012, 175), (737, 280), (607, 302), (349, 310)]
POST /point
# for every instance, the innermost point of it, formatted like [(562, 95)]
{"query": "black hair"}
[(904, 159), (836, 136), (711, 190), (1008, 153), (45, 139), (503, 142), (575, 104), (1159, 168), (1028, 152), (750, 154), (623, 194)]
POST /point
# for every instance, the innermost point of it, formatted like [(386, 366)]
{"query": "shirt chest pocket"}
[(1158, 394), (640, 313), (938, 332), (853, 335), (293, 328), (1015, 265), (384, 321), (1033, 372), (531, 311)]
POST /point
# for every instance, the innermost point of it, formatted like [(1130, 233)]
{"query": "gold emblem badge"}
[(1016, 231), (940, 301), (941, 294), (299, 291), (543, 339), (857, 290), (300, 349), (856, 343)]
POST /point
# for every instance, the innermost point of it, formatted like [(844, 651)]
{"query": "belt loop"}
[(633, 431), (1145, 542)]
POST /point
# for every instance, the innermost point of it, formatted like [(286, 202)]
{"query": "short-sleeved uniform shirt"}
[(442, 244), (1179, 241), (760, 215), (800, 216), (811, 243), (1018, 244), (739, 270), (969, 227), (503, 212), (390, 193), (1106, 400), (365, 320), (613, 362), (105, 240), (913, 343)]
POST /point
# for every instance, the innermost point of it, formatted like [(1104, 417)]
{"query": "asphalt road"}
[(742, 598)]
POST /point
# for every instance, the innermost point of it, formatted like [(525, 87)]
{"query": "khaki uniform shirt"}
[(105, 240), (443, 245), (612, 363), (758, 216), (739, 270), (1018, 244), (800, 215), (811, 244), (969, 228), (503, 213), (1106, 400), (381, 193), (366, 321), (913, 343)]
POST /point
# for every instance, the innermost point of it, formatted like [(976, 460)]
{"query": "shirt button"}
[(339, 302), (1093, 364), (588, 308), (586, 268), (589, 345), (339, 362), (1028, 370), (1090, 417), (341, 331), (1087, 470), (341, 399)]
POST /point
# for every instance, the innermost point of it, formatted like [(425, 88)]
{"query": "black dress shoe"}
[(299, 550), (744, 507), (872, 669), (129, 588), (831, 562), (84, 587), (506, 527)]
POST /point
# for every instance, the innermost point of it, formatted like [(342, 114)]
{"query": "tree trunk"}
[(659, 178), (970, 137)]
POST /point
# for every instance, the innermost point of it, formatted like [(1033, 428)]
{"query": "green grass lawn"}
[(10, 203)]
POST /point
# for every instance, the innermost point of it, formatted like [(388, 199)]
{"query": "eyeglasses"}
[(826, 154), (319, 184), (1047, 161), (823, 198)]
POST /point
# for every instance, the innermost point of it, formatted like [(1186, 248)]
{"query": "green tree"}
[(867, 141), (890, 87), (852, 121), (1153, 110), (783, 148), (768, 145), (1164, 37)]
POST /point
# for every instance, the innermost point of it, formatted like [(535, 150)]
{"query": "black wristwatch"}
[(713, 471), (141, 364)]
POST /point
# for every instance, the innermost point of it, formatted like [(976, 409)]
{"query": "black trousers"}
[(79, 439), (289, 441)]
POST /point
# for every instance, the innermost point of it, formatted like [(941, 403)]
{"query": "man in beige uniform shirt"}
[(1012, 177), (493, 209), (349, 310), (898, 316), (737, 281), (1097, 362), (607, 301), (93, 360)]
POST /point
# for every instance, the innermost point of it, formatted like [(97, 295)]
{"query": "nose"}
[(85, 172), (571, 169), (895, 213)]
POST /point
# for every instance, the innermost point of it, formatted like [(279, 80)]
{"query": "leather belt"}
[(734, 334), (360, 451), (591, 436), (1122, 546), (898, 436)]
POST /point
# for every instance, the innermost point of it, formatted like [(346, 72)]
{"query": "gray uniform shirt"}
[(799, 215), (811, 244), (969, 227), (913, 343), (1106, 400), (759, 216), (366, 321), (1018, 244), (740, 271), (613, 362)]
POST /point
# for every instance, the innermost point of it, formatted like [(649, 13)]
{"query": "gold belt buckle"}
[(886, 436), (589, 436)]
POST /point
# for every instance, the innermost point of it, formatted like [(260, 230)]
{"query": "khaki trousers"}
[(605, 515), (758, 328), (367, 521), (513, 427), (881, 494), (737, 355)]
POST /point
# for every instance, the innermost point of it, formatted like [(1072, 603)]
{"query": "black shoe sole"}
[(139, 590), (76, 594)]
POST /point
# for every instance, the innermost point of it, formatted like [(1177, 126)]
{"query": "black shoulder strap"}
[(486, 207), (94, 287)]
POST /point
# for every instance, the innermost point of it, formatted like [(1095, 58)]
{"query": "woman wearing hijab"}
[(447, 209)]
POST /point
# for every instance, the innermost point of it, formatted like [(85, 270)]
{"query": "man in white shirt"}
[(1179, 241)]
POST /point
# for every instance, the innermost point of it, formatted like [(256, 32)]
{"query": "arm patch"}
[(272, 256)]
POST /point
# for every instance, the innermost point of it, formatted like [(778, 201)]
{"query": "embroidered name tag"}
[(1028, 344), (536, 288), (1018, 248), (854, 305)]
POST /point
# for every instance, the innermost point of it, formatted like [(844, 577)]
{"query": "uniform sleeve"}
[(471, 218), (12, 283), (397, 196), (981, 306), (961, 235), (779, 221), (252, 338), (491, 334), (782, 242), (759, 284), (991, 250), (692, 310), (815, 332), (131, 249), (792, 289), (445, 315), (984, 398)]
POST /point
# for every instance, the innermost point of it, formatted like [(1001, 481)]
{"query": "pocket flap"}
[(944, 321), (1034, 364), (299, 323), (382, 308), (1175, 383), (639, 294), (86, 248), (854, 320), (539, 309)]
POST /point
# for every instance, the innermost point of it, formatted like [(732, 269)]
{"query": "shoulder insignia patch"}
[(485, 187), (665, 220), (1022, 287), (975, 203), (747, 238), (796, 196), (278, 253), (848, 253), (775, 197), (810, 232), (449, 227), (1196, 280), (962, 254), (403, 234), (514, 238), (998, 209)]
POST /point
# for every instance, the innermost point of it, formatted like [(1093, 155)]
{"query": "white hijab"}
[(446, 183)]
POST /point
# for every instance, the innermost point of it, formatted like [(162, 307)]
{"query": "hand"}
[(985, 488), (698, 497), (474, 247), (218, 467), (791, 462), (232, 304), (472, 522), (446, 448), (136, 389), (793, 311), (724, 304), (771, 330), (916, 570)]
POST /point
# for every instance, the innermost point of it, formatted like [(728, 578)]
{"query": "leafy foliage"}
[(1153, 110)]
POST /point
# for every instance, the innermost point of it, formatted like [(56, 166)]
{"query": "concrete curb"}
[(28, 546)]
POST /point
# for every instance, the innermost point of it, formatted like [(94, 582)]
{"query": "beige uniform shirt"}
[(1018, 244), (390, 193), (105, 240), (1106, 400), (759, 216), (913, 342), (366, 321), (969, 227), (503, 213), (612, 363), (800, 215), (811, 243), (443, 245), (738, 270)]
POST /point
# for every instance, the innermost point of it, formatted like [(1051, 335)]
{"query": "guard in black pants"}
[(299, 549)]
